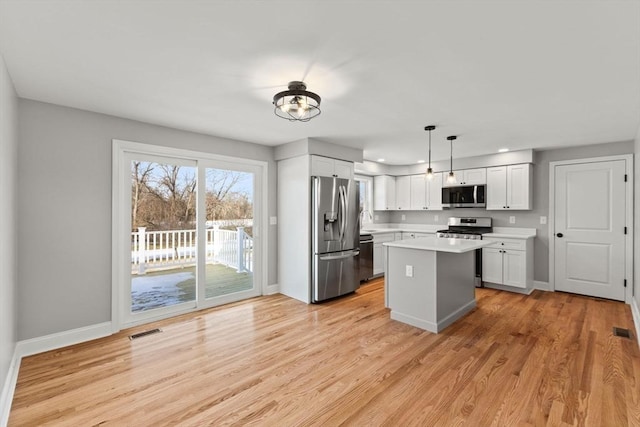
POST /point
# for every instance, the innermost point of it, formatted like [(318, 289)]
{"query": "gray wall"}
[(8, 173), (636, 221), (525, 219), (64, 206)]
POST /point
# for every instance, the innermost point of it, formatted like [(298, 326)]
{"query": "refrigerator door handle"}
[(343, 211), (341, 256)]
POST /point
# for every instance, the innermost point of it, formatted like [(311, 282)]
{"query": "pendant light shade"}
[(451, 178), (296, 104), (429, 173)]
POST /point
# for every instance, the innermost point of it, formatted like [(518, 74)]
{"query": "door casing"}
[(119, 218)]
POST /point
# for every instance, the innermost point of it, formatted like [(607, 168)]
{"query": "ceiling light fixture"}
[(451, 179), (429, 170), (296, 104)]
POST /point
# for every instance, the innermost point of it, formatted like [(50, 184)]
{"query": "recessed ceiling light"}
[(381, 160), (420, 161), (503, 150)]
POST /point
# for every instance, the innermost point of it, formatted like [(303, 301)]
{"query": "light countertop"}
[(512, 233), (498, 232), (440, 244)]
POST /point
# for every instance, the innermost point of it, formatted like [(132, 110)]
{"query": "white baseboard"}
[(272, 289), (543, 286), (8, 388), (62, 339), (635, 311), (39, 345), (524, 291)]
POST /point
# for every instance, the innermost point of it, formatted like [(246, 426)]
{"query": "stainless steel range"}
[(471, 229), (466, 228)]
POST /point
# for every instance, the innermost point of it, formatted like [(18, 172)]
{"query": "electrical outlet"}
[(435, 218), (543, 220), (404, 217), (409, 270), (273, 220), (512, 220)]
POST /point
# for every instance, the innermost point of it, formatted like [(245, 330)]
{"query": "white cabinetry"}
[(509, 187), (403, 193), (412, 235), (468, 177), (378, 251), (325, 166), (384, 193), (425, 193), (508, 262)]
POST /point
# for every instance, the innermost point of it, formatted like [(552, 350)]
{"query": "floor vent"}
[(621, 332), (144, 334)]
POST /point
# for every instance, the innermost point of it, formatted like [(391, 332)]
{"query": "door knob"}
[(559, 234)]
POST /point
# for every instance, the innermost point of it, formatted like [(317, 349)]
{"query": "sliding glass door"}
[(229, 229), (190, 238)]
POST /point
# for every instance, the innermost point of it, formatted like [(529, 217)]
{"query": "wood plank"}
[(543, 359)]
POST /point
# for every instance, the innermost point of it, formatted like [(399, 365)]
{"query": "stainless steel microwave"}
[(464, 196)]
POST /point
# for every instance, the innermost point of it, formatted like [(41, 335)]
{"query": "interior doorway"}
[(591, 227)]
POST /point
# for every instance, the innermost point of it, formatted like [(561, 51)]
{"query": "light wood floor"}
[(545, 359)]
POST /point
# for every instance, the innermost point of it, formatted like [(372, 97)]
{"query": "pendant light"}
[(429, 173), (451, 179), (297, 104)]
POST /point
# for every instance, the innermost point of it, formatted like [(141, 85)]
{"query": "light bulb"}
[(451, 179), (429, 174)]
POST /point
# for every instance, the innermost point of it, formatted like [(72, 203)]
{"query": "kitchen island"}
[(429, 281)]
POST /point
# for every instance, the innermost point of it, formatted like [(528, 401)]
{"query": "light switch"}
[(512, 220), (273, 220), (543, 220), (409, 270)]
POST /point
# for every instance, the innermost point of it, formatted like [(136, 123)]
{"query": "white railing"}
[(177, 248)]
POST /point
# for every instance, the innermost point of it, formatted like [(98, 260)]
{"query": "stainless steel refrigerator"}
[(335, 237)]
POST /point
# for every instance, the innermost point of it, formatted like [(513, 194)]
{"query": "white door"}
[(418, 192), (403, 193), (518, 186), (589, 235), (492, 265), (513, 269), (497, 188), (434, 197)]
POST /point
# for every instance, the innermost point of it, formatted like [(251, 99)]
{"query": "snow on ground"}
[(148, 292)]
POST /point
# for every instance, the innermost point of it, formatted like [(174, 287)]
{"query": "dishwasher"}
[(366, 257)]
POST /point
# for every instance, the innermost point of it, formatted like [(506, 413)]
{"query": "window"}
[(365, 185)]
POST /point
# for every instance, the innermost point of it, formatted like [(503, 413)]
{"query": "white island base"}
[(430, 285)]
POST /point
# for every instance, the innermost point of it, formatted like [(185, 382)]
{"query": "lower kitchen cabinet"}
[(508, 262), (378, 250), (412, 235)]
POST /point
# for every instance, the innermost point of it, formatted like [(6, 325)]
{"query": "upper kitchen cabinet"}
[(403, 193), (384, 193), (509, 187), (325, 166), (468, 177), (425, 193)]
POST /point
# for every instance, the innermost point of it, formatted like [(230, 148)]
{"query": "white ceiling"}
[(517, 74)]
